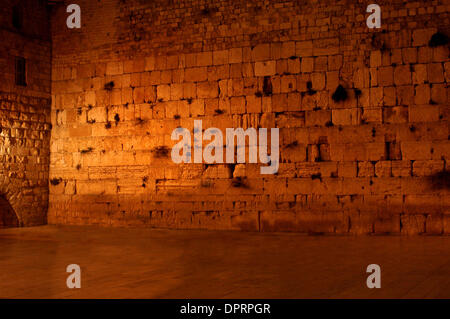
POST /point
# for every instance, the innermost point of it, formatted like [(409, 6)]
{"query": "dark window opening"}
[(21, 71), (17, 17)]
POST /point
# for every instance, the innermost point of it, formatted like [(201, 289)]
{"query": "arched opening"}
[(8, 217)]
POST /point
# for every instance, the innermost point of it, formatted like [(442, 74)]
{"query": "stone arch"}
[(11, 202), (8, 216)]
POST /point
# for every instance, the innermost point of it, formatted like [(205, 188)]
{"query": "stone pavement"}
[(159, 263)]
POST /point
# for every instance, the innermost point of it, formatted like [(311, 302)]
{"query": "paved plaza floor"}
[(159, 263)]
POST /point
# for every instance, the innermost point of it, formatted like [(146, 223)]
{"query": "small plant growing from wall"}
[(440, 180), (377, 43), (160, 151), (109, 86), (116, 119), (438, 39), (340, 94), (206, 11), (309, 88), (108, 125), (291, 145), (55, 181), (139, 121), (218, 112), (144, 181), (267, 86), (87, 150), (239, 182)]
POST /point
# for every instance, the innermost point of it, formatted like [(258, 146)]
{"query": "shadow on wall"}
[(8, 217)]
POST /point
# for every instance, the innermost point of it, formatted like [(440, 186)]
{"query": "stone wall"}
[(25, 114), (375, 162)]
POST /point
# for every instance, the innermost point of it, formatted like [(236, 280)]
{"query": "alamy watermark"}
[(74, 279), (213, 152), (73, 21), (374, 280)]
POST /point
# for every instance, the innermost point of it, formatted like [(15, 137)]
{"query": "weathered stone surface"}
[(25, 117), (373, 160)]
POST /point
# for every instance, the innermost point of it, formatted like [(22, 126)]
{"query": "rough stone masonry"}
[(362, 114), (24, 113)]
